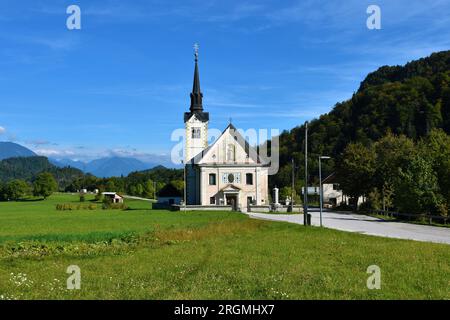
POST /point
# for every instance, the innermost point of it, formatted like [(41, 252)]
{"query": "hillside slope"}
[(27, 168), (409, 100), (10, 150)]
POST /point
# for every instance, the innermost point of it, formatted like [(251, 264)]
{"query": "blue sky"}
[(120, 85)]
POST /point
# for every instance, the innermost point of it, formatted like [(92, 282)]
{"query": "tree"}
[(417, 188), (44, 185), (355, 170), (132, 190), (178, 184), (3, 195), (139, 189), (149, 189), (17, 189), (436, 149), (392, 154), (286, 192), (110, 186)]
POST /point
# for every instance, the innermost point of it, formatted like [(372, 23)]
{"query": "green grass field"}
[(148, 254)]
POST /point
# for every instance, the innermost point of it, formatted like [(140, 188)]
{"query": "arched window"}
[(195, 133), (231, 152)]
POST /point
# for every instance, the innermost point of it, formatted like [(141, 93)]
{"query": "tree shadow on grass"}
[(28, 200)]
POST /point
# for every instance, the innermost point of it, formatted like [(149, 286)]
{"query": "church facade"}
[(229, 172)]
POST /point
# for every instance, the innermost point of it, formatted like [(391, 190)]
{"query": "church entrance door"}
[(232, 201)]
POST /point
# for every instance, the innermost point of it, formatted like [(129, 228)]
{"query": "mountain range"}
[(106, 167), (103, 167)]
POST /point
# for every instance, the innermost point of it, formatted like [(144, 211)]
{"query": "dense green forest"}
[(409, 100)]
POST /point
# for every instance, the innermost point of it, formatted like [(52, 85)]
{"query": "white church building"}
[(226, 173)]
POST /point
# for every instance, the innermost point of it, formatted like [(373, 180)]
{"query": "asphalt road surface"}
[(365, 225)]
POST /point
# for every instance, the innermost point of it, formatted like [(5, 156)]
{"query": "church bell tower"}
[(196, 121)]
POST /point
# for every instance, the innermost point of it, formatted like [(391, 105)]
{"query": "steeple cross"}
[(196, 47)]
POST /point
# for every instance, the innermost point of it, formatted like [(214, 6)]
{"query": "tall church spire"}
[(196, 94), (196, 107)]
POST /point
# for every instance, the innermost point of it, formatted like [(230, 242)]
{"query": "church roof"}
[(196, 96)]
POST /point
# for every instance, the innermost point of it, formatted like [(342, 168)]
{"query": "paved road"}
[(366, 225)]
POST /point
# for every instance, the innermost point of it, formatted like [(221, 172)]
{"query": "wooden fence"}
[(413, 217)]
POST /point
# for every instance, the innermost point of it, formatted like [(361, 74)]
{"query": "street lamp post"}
[(305, 195), (293, 185), (320, 185)]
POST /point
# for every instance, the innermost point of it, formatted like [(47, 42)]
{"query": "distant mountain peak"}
[(14, 150)]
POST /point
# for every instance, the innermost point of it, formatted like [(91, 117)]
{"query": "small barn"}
[(115, 198)]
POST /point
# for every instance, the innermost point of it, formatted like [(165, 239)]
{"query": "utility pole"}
[(320, 188), (184, 185), (293, 185), (305, 197)]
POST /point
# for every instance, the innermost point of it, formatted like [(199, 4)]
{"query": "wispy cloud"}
[(39, 143), (136, 90), (60, 43), (2, 130), (239, 12), (54, 152)]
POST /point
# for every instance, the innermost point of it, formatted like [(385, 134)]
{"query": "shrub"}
[(115, 206), (71, 207), (98, 196), (107, 202)]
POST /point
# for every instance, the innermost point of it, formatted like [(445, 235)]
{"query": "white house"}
[(333, 196), (115, 198)]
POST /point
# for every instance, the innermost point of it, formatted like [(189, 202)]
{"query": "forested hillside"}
[(27, 168), (409, 100)]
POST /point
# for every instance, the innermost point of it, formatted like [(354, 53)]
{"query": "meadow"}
[(155, 254)]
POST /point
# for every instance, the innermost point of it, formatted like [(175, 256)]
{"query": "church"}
[(229, 172)]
